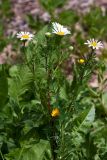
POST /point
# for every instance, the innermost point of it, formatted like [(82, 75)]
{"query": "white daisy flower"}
[(59, 29), (95, 44), (25, 36)]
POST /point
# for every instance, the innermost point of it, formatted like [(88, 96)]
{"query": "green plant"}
[(44, 115), (35, 88), (51, 5)]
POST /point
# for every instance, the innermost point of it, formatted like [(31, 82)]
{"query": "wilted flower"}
[(59, 29), (25, 36), (81, 61), (95, 44), (55, 112)]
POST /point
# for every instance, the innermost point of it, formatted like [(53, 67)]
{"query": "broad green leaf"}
[(20, 82), (35, 152), (62, 93), (86, 117), (97, 157)]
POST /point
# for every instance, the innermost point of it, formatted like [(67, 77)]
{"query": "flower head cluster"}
[(25, 36), (95, 44), (55, 112), (59, 29)]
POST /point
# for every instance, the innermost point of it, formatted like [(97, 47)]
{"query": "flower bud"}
[(71, 48), (81, 61), (48, 34), (55, 112)]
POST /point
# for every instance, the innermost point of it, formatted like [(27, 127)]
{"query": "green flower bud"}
[(71, 48), (48, 34)]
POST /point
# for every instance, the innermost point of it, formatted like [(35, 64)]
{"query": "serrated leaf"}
[(20, 83)]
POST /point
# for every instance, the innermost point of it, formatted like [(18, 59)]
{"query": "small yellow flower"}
[(81, 61), (55, 112)]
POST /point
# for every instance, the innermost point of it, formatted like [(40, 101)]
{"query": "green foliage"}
[(38, 151), (87, 116), (73, 136), (31, 90), (93, 19), (5, 8), (50, 5), (20, 83), (70, 16), (35, 88), (34, 23)]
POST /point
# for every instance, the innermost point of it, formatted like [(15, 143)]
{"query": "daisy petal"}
[(59, 29)]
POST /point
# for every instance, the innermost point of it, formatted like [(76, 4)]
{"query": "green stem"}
[(51, 123), (1, 155), (79, 83), (52, 140), (26, 59), (19, 158)]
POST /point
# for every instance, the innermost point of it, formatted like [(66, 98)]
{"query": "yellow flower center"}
[(60, 33), (25, 36), (94, 44), (55, 112), (81, 61)]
